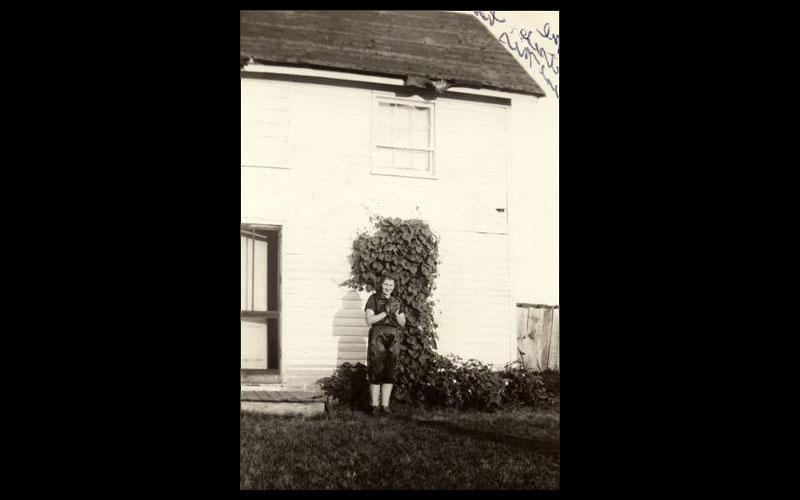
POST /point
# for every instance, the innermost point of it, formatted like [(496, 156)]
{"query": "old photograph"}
[(400, 315)]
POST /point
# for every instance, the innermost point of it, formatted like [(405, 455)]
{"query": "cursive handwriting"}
[(549, 82), (526, 45), (491, 17), (545, 32), (540, 51), (548, 57), (556, 39), (525, 53)]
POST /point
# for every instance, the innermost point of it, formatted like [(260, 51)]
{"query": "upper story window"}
[(403, 137), (265, 124)]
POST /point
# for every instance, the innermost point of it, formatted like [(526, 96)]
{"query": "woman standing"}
[(386, 317)]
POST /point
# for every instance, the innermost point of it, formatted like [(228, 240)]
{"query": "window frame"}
[(385, 97), (272, 374)]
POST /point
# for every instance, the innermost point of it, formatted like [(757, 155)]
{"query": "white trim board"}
[(355, 77)]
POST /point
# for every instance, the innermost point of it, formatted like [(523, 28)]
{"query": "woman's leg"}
[(374, 393), (374, 367), (386, 393), (392, 358)]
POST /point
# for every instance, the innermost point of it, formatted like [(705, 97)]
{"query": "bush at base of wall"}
[(453, 383)]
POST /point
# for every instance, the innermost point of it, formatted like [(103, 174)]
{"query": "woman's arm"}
[(371, 317), (401, 318)]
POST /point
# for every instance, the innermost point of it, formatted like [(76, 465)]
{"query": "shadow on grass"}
[(545, 445)]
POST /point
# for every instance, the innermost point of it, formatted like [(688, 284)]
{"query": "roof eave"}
[(535, 90)]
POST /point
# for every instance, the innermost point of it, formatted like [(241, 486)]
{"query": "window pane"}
[(405, 140), (402, 116), (419, 117), (254, 345), (384, 114), (400, 137), (260, 276), (383, 158), (402, 159), (245, 300), (248, 278), (420, 160), (419, 138)]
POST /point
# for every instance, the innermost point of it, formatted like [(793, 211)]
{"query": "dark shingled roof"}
[(433, 44)]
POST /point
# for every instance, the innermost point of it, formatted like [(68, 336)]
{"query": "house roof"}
[(431, 44)]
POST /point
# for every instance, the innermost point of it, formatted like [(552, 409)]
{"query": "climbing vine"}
[(407, 250)]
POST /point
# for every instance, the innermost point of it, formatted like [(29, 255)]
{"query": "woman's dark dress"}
[(383, 347)]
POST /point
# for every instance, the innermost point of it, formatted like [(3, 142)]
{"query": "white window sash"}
[(390, 144)]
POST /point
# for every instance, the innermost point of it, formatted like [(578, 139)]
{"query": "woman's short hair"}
[(385, 277)]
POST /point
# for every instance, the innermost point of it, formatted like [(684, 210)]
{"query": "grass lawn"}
[(412, 449)]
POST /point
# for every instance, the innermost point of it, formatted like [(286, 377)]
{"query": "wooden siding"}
[(326, 196)]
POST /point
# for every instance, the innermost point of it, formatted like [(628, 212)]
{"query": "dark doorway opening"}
[(260, 312)]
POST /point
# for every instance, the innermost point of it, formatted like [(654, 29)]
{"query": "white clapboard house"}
[(349, 114)]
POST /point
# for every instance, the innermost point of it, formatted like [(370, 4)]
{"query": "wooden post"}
[(535, 334), (555, 342), (547, 332), (523, 348)]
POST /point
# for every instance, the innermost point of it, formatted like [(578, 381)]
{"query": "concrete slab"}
[(284, 408)]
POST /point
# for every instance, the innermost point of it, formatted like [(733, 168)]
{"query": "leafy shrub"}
[(453, 383), (348, 385), (552, 380), (523, 387)]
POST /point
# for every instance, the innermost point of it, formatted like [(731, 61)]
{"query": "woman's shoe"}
[(385, 411), (376, 411)]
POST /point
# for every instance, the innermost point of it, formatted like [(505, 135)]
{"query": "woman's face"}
[(388, 286)]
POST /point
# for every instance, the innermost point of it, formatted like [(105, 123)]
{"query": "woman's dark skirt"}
[(383, 353)]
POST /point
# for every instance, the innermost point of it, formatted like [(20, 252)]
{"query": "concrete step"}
[(264, 387), (282, 402)]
